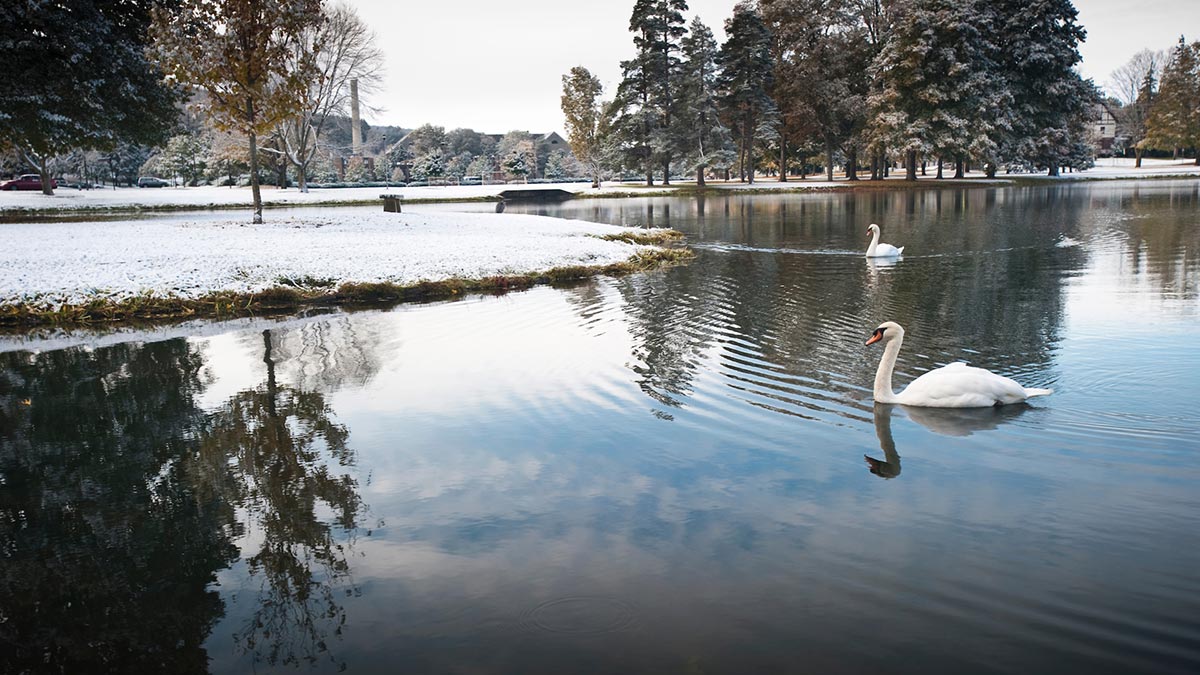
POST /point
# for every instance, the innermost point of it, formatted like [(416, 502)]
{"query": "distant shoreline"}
[(131, 201)]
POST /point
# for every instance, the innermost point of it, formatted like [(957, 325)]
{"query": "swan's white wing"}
[(961, 386), (886, 251)]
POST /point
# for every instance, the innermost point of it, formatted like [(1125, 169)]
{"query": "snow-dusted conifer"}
[(745, 80), (704, 141), (1036, 44), (646, 95), (940, 89), (76, 77)]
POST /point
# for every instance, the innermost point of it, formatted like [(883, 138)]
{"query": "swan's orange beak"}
[(875, 337)]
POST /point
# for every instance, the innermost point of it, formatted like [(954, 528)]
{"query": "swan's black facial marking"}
[(876, 336)]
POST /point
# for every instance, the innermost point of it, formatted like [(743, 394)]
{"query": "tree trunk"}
[(1053, 169), (783, 158), (302, 178), (991, 169), (1137, 154), (666, 167), (941, 161), (748, 144), (958, 167), (910, 168), (875, 165), (254, 190), (43, 167), (251, 118), (699, 176), (272, 389), (852, 163), (828, 160), (923, 163)]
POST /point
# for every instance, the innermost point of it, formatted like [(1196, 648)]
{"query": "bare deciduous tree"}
[(344, 49), (1134, 85)]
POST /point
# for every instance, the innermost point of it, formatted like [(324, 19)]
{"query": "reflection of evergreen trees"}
[(671, 330), (120, 500), (985, 274), (1163, 240), (107, 548)]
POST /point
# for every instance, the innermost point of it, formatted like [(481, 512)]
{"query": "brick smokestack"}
[(355, 125)]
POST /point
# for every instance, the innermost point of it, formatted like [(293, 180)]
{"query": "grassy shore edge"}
[(292, 296)]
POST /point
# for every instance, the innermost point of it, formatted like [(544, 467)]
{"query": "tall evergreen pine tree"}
[(646, 94), (746, 76), (703, 140), (1174, 120), (1051, 103)]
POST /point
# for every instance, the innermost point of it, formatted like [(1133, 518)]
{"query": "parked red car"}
[(29, 181)]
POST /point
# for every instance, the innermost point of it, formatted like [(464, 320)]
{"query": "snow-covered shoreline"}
[(55, 263), (71, 200)]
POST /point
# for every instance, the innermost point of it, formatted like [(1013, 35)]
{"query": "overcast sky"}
[(495, 65)]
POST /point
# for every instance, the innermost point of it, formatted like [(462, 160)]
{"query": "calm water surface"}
[(677, 472)]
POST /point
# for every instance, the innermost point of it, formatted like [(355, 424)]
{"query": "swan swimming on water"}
[(878, 250), (954, 386)]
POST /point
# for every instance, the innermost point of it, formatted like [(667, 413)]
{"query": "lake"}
[(674, 472)]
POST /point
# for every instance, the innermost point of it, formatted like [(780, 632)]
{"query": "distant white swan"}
[(878, 250), (954, 386)]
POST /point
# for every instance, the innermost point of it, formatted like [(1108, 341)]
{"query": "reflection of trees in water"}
[(285, 452), (589, 303), (673, 319), (120, 499), (1162, 236), (108, 550)]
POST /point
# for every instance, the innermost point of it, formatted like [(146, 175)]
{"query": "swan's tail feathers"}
[(900, 251), (1030, 392)]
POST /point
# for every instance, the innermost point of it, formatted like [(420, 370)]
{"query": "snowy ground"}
[(69, 262), (201, 197)]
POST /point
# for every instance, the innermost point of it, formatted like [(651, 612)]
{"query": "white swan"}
[(878, 250), (954, 386)]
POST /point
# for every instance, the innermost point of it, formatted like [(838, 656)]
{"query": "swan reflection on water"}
[(959, 422)]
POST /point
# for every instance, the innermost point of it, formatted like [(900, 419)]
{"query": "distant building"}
[(1103, 129)]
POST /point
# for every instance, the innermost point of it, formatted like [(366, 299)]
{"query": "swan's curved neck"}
[(883, 376), (874, 241)]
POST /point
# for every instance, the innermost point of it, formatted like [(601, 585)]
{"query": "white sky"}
[(495, 66)]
